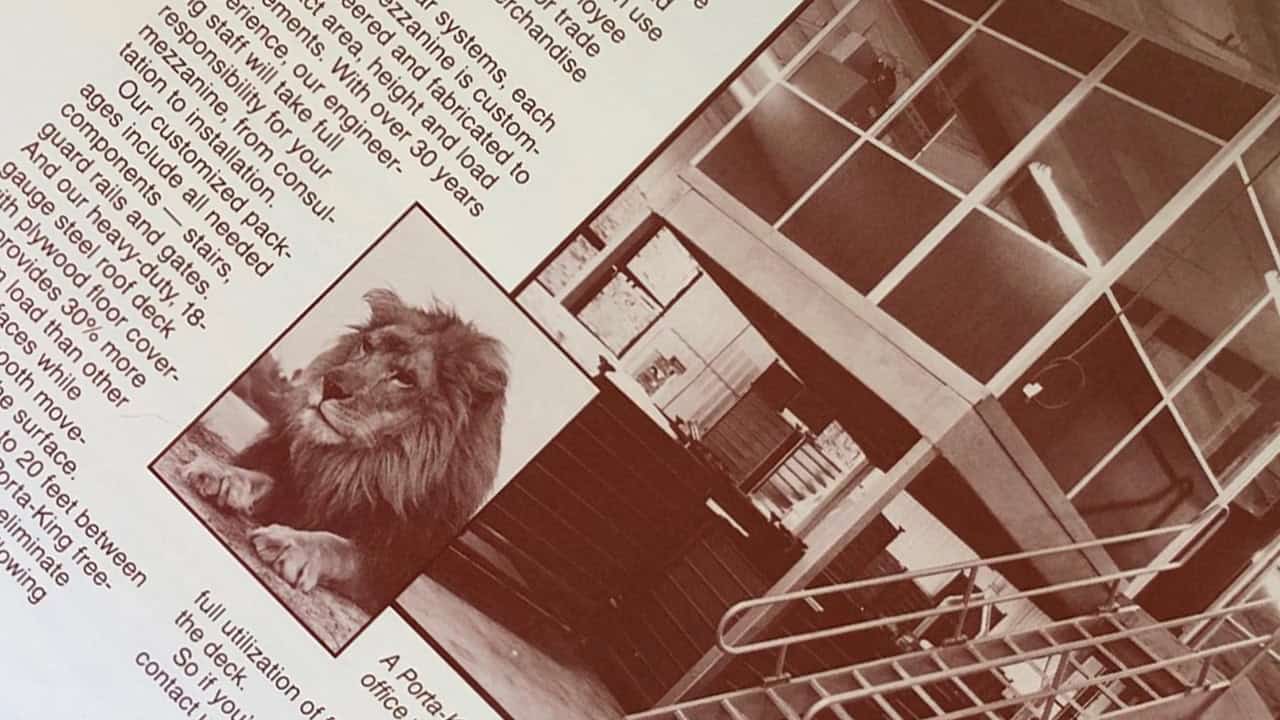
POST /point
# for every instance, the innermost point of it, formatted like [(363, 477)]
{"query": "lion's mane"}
[(404, 497)]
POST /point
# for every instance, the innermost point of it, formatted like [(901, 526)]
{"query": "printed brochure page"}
[(640, 360), (262, 360)]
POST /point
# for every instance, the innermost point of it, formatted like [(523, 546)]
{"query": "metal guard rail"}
[(1264, 644), (1209, 525)]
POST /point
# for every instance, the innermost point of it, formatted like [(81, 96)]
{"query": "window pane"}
[(1153, 482), (1192, 92), (566, 265), (1101, 175), (971, 116), (865, 63), (1260, 159), (981, 294), (1093, 390), (867, 217), (1262, 162), (619, 313), (972, 8), (816, 16), (1198, 278), (664, 266), (1232, 407), (772, 157), (1073, 37)]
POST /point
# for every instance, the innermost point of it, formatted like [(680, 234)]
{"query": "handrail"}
[(1205, 534), (864, 625), (1265, 644), (1242, 630), (953, 671), (1092, 682), (957, 602), (1214, 521)]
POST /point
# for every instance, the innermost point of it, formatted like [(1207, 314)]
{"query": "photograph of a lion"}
[(390, 444), (350, 452)]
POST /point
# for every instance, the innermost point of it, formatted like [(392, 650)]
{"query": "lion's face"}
[(376, 388), (387, 376)]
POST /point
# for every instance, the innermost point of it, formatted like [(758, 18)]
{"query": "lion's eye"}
[(366, 345), (405, 378)]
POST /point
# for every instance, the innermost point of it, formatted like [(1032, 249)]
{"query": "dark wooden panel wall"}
[(607, 538), (612, 493)]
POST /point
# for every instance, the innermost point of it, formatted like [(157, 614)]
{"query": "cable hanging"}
[(1034, 387)]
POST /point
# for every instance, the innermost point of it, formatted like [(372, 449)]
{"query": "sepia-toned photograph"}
[(937, 377), (353, 450)]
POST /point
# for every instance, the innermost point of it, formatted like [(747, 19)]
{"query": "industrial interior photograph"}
[(937, 362)]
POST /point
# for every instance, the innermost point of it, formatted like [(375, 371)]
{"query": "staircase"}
[(1115, 663)]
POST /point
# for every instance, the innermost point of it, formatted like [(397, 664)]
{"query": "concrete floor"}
[(527, 682)]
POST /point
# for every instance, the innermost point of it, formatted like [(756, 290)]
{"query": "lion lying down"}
[(390, 446)]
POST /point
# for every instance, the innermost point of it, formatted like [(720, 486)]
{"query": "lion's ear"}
[(485, 369), (385, 306)]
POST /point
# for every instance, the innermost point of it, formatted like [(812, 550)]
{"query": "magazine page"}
[(640, 360), (260, 359)]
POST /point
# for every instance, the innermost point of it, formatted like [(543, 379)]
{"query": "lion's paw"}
[(220, 484), (303, 558)]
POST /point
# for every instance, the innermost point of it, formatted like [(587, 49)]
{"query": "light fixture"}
[(1042, 173)]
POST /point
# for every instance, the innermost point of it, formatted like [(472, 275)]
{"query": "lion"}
[(390, 445)]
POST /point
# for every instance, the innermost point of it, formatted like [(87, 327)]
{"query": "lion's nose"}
[(333, 389)]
